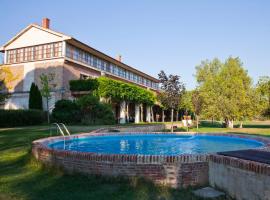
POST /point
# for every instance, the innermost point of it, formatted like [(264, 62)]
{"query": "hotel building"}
[(38, 49)]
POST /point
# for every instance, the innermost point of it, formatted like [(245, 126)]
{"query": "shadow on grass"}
[(26, 178)]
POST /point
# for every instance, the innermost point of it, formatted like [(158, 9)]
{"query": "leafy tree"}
[(197, 103), (46, 88), (263, 87), (6, 78), (95, 112), (172, 90), (66, 111), (226, 90), (206, 75), (186, 102), (35, 98)]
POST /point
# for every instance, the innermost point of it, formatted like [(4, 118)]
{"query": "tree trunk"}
[(48, 110), (172, 120), (197, 121), (176, 118), (241, 125), (229, 124), (163, 117)]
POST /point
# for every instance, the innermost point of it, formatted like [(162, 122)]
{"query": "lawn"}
[(21, 177)]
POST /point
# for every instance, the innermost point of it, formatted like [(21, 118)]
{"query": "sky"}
[(153, 35)]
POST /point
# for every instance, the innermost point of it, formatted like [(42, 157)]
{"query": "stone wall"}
[(241, 179), (134, 129)]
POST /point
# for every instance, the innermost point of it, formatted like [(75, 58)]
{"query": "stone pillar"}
[(102, 99), (152, 115), (163, 115), (123, 112), (137, 113), (148, 114), (141, 110), (127, 112)]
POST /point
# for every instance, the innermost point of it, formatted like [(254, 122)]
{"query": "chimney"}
[(119, 58), (46, 23)]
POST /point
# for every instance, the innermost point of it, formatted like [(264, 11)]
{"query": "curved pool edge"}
[(175, 171)]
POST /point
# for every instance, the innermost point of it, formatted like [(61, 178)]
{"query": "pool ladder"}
[(62, 130)]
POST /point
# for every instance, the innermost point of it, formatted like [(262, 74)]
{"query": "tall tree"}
[(172, 90), (35, 98), (46, 89), (226, 90), (197, 103), (263, 87)]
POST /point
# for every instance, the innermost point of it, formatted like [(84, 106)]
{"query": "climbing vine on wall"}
[(115, 90)]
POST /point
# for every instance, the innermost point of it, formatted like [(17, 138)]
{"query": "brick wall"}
[(241, 179), (175, 171)]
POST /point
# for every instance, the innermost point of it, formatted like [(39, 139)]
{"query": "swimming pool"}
[(155, 144), (176, 160)]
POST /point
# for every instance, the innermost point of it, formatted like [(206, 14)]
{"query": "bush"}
[(94, 112), (66, 111), (83, 85), (11, 118), (35, 99)]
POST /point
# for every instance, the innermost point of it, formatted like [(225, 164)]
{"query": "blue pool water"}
[(156, 144)]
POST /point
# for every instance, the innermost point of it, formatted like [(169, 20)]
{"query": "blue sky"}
[(152, 35)]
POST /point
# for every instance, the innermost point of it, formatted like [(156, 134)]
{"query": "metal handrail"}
[(67, 131), (58, 128)]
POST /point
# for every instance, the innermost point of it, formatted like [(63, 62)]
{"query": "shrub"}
[(83, 85), (66, 111), (35, 99), (11, 118), (94, 112)]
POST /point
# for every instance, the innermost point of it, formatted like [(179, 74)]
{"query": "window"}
[(93, 61), (34, 53), (84, 76)]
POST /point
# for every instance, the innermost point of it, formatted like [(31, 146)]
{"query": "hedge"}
[(11, 118), (83, 85)]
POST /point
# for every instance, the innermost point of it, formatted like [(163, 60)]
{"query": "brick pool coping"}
[(176, 171)]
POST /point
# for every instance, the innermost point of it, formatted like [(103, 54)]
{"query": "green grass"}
[(23, 178), (253, 128)]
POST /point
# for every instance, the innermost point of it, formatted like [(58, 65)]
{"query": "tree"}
[(172, 90), (6, 78), (197, 102), (226, 90), (46, 89), (263, 87), (206, 75), (186, 102), (35, 98)]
